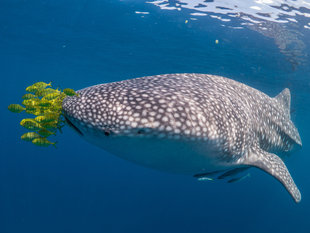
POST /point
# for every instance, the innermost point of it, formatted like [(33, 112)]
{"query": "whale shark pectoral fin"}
[(273, 165)]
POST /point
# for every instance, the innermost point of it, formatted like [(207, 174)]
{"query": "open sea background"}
[(78, 187)]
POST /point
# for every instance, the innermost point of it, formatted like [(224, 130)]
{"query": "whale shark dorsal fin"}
[(284, 99), (274, 166)]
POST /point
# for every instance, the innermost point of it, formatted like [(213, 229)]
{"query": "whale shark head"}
[(108, 111)]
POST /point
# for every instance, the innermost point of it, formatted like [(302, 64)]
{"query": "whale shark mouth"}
[(73, 126)]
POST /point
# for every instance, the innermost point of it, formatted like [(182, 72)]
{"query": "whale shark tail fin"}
[(284, 100), (273, 165)]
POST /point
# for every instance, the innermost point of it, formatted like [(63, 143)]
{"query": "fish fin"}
[(207, 174), (204, 178), (284, 98), (54, 144), (237, 179), (233, 180), (233, 172), (284, 101), (273, 165)]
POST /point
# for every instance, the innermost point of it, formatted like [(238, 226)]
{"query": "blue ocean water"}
[(80, 188)]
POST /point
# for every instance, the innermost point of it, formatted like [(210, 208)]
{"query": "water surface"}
[(80, 188)]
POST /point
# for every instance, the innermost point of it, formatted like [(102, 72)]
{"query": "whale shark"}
[(195, 124)]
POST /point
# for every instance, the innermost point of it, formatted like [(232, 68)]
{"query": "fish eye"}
[(107, 133), (140, 131)]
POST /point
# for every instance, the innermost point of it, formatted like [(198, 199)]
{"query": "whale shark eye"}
[(140, 131), (107, 132)]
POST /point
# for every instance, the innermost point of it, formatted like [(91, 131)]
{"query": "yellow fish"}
[(39, 119), (45, 133), (43, 142), (47, 118), (51, 96), (29, 136), (44, 103), (50, 125), (69, 92), (53, 116), (42, 85), (33, 110), (16, 108), (30, 124), (28, 96), (44, 92), (30, 102), (32, 88)]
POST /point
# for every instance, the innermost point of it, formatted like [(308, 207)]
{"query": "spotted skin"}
[(188, 123)]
